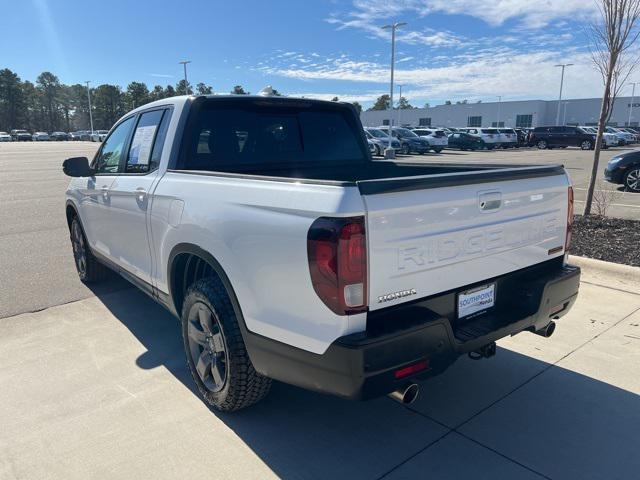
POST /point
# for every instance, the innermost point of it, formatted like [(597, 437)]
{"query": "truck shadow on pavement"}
[(511, 416)]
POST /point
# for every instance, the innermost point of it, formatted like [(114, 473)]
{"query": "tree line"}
[(49, 105)]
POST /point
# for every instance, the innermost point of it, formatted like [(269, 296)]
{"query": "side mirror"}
[(77, 167)]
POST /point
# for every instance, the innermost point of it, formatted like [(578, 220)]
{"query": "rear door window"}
[(146, 144)]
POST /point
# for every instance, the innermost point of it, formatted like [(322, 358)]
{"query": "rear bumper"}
[(362, 365)]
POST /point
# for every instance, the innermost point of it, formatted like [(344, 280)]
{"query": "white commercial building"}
[(526, 113)]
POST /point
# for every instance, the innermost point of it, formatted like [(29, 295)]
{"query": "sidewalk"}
[(99, 389)]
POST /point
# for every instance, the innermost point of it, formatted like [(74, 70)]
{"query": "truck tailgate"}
[(433, 234)]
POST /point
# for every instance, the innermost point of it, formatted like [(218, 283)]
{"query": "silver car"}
[(99, 135), (40, 137)]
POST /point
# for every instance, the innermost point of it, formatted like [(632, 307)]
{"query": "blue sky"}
[(450, 49)]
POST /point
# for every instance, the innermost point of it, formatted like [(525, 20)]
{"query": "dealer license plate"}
[(476, 300)]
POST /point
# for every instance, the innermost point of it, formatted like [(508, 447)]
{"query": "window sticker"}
[(141, 145)]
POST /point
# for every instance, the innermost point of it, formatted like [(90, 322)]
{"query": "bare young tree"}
[(611, 38)]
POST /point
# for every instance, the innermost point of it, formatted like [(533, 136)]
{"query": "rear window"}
[(226, 135), (490, 130)]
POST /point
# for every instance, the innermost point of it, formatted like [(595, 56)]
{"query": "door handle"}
[(105, 191), (141, 194)]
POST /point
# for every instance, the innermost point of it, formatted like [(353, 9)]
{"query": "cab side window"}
[(108, 160)]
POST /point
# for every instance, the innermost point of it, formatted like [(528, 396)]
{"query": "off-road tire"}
[(243, 386), (89, 269)]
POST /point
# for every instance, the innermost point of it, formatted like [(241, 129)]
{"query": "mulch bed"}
[(610, 239)]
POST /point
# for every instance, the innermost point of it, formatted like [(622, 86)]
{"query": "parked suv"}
[(563, 137), (624, 138), (489, 136), (436, 137), (409, 141), (508, 138)]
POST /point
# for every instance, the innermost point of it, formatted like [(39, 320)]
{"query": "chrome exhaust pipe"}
[(547, 330), (406, 394)]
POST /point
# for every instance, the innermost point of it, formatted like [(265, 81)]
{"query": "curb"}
[(608, 274), (605, 267)]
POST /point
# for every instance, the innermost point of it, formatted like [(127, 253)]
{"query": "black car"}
[(409, 141), (563, 137), (624, 169), (465, 141), (59, 136)]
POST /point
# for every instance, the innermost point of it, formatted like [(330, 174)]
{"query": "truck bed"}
[(382, 170)]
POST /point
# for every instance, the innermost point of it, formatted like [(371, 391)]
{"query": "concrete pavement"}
[(98, 388)]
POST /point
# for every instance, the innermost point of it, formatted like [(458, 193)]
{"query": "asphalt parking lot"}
[(93, 383)]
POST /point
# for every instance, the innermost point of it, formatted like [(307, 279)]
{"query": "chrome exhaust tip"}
[(547, 330), (406, 394)]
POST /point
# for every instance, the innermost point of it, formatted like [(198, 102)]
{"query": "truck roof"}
[(182, 99)]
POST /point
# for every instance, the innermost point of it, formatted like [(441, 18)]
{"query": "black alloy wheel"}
[(79, 249)]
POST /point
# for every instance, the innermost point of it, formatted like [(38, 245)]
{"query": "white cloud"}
[(528, 13), (502, 71)]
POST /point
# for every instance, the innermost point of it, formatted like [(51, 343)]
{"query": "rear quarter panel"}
[(257, 230)]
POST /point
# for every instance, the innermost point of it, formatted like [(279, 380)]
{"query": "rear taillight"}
[(337, 251), (567, 242)]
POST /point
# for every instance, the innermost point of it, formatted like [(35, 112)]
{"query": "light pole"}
[(633, 94), (564, 115), (399, 107), (186, 83), (89, 98), (563, 65), (499, 103), (389, 152)]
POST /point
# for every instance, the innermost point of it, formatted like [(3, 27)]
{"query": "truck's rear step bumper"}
[(362, 365)]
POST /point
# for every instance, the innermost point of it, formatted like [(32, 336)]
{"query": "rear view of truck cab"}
[(263, 224)]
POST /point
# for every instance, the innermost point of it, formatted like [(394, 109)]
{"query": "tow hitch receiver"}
[(486, 351)]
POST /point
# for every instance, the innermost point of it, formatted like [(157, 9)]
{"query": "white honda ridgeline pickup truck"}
[(288, 254)]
